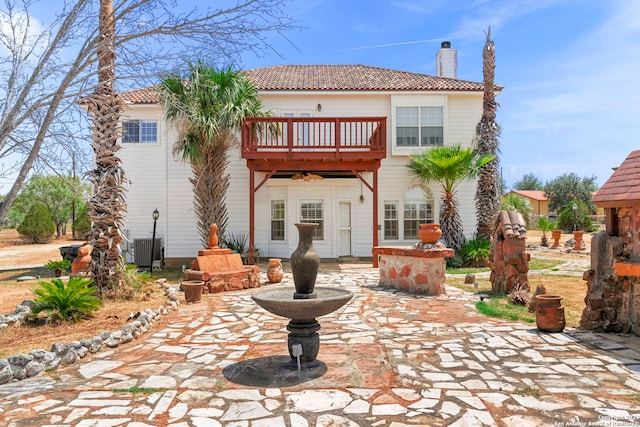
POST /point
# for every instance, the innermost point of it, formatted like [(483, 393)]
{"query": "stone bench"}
[(222, 270)]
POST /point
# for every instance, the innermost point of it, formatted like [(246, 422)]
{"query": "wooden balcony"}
[(291, 140)]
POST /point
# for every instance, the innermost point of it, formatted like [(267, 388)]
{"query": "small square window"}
[(139, 131)]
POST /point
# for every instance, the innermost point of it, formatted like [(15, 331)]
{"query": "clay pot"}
[(550, 313), (192, 290), (275, 273), (429, 233), (556, 234), (577, 235), (305, 262)]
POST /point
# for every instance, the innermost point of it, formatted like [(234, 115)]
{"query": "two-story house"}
[(339, 160)]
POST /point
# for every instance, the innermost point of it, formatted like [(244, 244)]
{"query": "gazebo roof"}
[(622, 189)]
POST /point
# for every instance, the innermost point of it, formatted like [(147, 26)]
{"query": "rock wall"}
[(612, 303)]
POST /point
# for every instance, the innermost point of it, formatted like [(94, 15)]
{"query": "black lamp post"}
[(155, 216)]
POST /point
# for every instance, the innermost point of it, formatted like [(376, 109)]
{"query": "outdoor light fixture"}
[(155, 217), (319, 107), (575, 210)]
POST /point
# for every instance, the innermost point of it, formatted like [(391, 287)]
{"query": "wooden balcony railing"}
[(310, 138)]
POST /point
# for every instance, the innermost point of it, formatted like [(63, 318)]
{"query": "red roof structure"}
[(532, 194), (622, 189), (332, 78)]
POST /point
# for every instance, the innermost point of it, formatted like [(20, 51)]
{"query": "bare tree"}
[(487, 143), (46, 66), (149, 37)]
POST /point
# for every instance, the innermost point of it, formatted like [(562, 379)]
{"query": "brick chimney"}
[(447, 61)]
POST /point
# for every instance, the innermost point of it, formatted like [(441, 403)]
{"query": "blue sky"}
[(570, 68)]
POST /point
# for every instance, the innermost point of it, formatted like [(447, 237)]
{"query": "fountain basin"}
[(280, 301)]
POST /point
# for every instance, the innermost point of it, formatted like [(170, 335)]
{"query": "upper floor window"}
[(419, 126), (140, 131)]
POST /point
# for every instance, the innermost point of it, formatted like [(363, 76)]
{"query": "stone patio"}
[(392, 359)]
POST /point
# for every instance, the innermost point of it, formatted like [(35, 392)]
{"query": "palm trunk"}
[(450, 223), (210, 183), (107, 205), (487, 132)]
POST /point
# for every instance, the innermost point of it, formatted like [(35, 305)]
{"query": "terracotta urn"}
[(192, 290), (305, 262), (577, 235), (556, 234), (550, 313), (275, 273), (429, 233), (82, 260)]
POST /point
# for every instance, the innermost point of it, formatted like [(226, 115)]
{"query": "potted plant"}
[(58, 266)]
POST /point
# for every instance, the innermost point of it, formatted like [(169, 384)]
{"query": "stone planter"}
[(429, 233), (550, 313), (275, 273), (192, 290)]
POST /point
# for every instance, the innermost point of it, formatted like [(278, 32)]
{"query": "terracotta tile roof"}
[(622, 189), (147, 95), (332, 78), (532, 194), (351, 78), (511, 224)]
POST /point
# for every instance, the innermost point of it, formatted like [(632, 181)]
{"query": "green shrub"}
[(569, 221), (71, 302), (37, 225), (455, 261), (236, 242), (61, 264), (81, 226), (476, 252), (132, 280)]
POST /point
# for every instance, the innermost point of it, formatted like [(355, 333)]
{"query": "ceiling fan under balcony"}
[(306, 176)]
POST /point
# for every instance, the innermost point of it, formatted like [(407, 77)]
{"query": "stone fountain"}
[(307, 302)]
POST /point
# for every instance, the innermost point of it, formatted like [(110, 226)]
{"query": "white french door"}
[(345, 229)]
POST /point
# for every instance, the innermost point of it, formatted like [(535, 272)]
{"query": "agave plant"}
[(67, 302)]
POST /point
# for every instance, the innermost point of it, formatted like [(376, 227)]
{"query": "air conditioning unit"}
[(142, 251)]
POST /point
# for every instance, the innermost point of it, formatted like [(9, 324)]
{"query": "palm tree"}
[(107, 204), (487, 132), (545, 225), (448, 165), (207, 107)]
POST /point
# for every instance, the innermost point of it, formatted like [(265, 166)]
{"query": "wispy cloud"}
[(377, 46), (413, 7)]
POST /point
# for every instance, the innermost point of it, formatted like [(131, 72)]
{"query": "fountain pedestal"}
[(303, 327)]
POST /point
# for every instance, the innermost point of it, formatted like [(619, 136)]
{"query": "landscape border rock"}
[(21, 366)]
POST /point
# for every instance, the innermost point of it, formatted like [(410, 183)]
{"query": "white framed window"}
[(140, 131), (419, 126), (416, 213), (313, 211), (391, 231), (277, 220)]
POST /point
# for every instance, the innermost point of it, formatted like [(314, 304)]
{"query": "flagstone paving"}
[(387, 358)]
